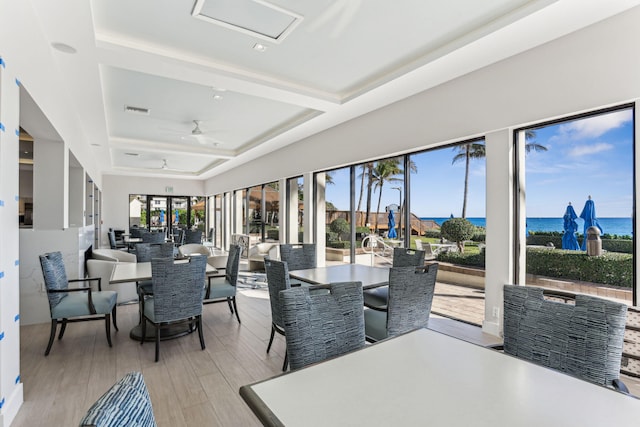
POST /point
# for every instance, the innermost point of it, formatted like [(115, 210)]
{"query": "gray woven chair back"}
[(192, 236), (177, 288), (403, 257), (410, 296), (233, 264), (278, 280), (584, 340), (152, 237), (319, 326), (298, 256), (178, 236), (55, 276), (136, 232), (147, 251), (112, 239)]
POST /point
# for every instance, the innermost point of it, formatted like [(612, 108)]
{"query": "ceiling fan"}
[(165, 167), (200, 136)]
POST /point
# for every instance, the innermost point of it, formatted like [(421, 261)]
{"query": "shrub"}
[(330, 236), (432, 234), (615, 269), (458, 230), (340, 226), (473, 260)]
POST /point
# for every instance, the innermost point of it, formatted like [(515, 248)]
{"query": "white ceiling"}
[(338, 59)]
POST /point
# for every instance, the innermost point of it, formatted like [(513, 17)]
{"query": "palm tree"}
[(384, 171), (476, 150)]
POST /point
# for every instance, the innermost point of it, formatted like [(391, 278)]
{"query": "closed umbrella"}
[(590, 220), (162, 216), (177, 217), (392, 226), (569, 239)]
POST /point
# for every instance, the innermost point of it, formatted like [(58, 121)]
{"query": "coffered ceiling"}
[(191, 87)]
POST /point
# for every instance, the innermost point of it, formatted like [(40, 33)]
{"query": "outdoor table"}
[(428, 378)]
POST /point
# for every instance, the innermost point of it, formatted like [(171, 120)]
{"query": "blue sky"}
[(592, 156)]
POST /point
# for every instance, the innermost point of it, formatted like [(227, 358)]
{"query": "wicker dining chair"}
[(584, 340), (319, 326), (376, 298), (74, 304), (177, 296), (277, 280), (411, 292)]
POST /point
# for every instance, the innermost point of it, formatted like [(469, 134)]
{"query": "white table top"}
[(138, 271), (370, 277), (427, 378)]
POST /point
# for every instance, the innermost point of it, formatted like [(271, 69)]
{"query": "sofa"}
[(125, 404), (258, 252), (101, 265)]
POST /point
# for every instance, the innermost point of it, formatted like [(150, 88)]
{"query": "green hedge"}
[(615, 269), (474, 260), (611, 245)]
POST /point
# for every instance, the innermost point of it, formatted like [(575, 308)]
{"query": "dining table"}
[(371, 277), (425, 377), (125, 272)]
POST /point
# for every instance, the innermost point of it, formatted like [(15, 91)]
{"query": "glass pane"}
[(272, 211), (579, 173), (338, 221), (158, 211), (255, 214), (198, 214), (449, 183), (137, 211)]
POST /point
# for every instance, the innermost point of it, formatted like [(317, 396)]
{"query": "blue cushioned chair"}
[(584, 340), (221, 289), (319, 326), (409, 306), (278, 280), (177, 296), (74, 304), (376, 298), (125, 404)]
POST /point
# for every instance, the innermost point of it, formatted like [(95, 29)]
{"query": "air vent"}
[(131, 154), (136, 110), (257, 18)]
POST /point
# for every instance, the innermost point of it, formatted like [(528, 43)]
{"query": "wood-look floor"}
[(188, 386)]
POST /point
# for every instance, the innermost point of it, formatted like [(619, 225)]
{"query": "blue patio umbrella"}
[(569, 239), (162, 216), (590, 220), (177, 217), (392, 226)]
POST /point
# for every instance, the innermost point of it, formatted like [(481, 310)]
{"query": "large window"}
[(580, 173), (166, 213)]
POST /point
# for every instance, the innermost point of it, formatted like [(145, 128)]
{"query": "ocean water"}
[(619, 226)]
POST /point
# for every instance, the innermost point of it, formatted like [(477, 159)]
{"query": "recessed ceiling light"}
[(218, 97), (63, 47), (259, 47)]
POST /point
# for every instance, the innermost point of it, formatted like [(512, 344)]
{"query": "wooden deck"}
[(188, 386)]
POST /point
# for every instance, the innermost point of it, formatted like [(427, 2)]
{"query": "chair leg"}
[(200, 333), (54, 326), (157, 342), (235, 307), (107, 326), (144, 331), (63, 328), (286, 362), (273, 332), (113, 318), (230, 307)]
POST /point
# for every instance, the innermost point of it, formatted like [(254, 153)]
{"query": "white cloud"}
[(594, 127), (585, 150)]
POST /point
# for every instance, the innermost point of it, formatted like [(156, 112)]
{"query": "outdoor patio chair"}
[(177, 296), (319, 326), (221, 289), (278, 280), (74, 304), (376, 298), (584, 340), (410, 296)]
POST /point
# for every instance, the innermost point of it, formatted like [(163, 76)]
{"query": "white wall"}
[(11, 395), (587, 70), (116, 190)]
